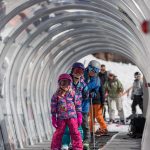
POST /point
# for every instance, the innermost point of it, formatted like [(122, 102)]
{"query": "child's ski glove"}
[(79, 117), (92, 95), (54, 121)]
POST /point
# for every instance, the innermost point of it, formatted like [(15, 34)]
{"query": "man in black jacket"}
[(103, 74)]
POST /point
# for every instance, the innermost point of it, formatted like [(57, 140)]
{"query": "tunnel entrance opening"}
[(127, 71)]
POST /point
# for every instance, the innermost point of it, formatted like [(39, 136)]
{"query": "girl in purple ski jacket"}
[(66, 111)]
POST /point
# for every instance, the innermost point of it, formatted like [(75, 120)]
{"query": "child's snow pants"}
[(76, 139), (66, 138), (85, 127)]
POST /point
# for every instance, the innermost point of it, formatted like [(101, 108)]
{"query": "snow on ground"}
[(114, 127), (125, 73)]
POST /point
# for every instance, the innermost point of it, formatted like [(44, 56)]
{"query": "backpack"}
[(136, 127)]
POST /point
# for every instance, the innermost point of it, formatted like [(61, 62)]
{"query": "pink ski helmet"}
[(65, 76)]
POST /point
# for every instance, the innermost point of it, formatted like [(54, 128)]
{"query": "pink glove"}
[(54, 121), (79, 117)]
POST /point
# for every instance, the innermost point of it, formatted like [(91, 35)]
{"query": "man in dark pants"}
[(137, 93), (103, 74)]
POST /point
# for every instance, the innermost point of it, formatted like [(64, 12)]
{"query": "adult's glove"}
[(54, 121), (79, 118)]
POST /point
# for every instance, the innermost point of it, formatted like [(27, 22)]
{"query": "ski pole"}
[(93, 124)]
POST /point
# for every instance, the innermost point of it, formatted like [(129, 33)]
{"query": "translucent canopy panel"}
[(42, 38)]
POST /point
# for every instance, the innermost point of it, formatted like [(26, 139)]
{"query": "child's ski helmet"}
[(65, 76), (78, 65)]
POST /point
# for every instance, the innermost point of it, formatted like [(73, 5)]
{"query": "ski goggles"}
[(78, 71), (93, 69), (64, 82)]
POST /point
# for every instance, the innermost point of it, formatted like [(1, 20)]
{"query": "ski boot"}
[(65, 147), (86, 145), (101, 132), (70, 147)]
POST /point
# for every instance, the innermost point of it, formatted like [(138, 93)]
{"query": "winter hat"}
[(110, 72)]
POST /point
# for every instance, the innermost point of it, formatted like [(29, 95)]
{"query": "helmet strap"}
[(62, 91), (76, 80)]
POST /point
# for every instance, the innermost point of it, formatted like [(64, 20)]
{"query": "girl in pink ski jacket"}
[(66, 111)]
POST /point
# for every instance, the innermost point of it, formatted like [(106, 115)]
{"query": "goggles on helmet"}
[(78, 71), (64, 82), (96, 70)]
